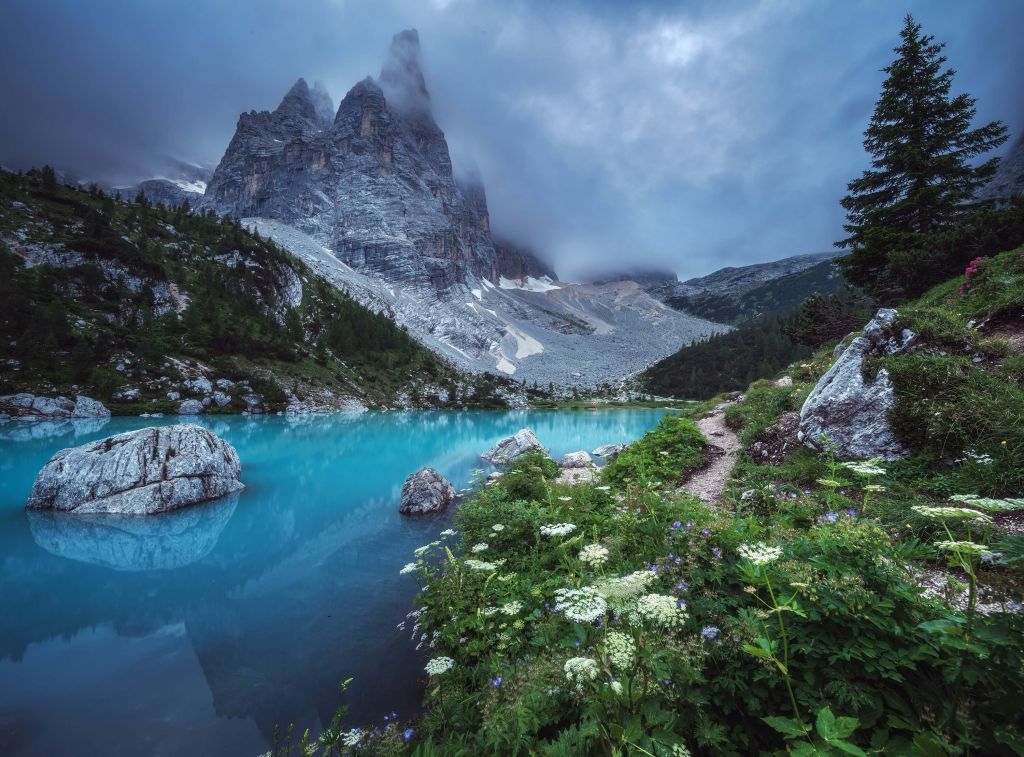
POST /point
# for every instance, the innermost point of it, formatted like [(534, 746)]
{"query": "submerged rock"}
[(853, 414), (576, 460), (152, 470), (609, 451), (511, 448), (31, 406), (426, 491)]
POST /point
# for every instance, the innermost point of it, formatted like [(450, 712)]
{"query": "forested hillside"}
[(131, 303)]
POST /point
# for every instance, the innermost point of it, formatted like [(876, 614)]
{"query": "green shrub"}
[(664, 454)]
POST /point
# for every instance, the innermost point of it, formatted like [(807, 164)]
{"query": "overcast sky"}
[(690, 135)]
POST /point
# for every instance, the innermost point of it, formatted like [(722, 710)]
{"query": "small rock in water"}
[(426, 491), (609, 451), (151, 470), (576, 460), (511, 448)]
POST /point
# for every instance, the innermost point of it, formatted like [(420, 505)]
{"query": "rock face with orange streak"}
[(372, 183)]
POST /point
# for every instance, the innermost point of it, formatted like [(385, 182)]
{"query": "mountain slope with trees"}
[(132, 303)]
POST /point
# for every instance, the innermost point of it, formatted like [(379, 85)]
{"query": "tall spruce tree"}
[(906, 214)]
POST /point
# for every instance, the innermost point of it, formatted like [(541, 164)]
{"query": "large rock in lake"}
[(426, 491), (511, 448), (152, 470), (853, 414), (609, 451)]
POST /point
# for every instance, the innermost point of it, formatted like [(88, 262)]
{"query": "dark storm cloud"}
[(688, 135)]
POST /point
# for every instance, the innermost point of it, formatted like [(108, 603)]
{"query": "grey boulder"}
[(609, 451), (426, 491), (511, 448), (30, 406), (191, 407), (151, 470), (576, 460), (850, 412)]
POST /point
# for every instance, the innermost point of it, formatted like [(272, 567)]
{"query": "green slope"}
[(124, 302)]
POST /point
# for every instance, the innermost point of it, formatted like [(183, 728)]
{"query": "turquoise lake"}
[(196, 632)]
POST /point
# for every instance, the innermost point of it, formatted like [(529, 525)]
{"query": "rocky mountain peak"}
[(401, 76)]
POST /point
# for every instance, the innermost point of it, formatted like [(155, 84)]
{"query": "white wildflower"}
[(565, 499), (489, 611), (987, 503), (965, 548), (439, 665), (448, 532), (410, 567), (866, 467), (874, 488), (580, 670), (760, 553), (498, 527), (603, 488), (581, 605), (621, 591), (479, 565), (512, 608), (481, 547), (616, 688), (594, 554), (557, 529), (352, 738), (951, 513), (621, 650), (659, 610)]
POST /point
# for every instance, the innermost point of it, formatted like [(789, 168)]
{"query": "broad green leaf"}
[(786, 726)]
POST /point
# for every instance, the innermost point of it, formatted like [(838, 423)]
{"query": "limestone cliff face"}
[(374, 184)]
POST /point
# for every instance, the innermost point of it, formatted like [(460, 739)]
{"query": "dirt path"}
[(709, 483)]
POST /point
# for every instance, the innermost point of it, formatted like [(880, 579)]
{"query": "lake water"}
[(196, 632)]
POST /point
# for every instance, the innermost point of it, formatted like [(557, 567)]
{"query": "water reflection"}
[(277, 594), (134, 542)]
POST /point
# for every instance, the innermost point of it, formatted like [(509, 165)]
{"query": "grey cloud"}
[(688, 136)]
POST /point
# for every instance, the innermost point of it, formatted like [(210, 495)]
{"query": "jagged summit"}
[(401, 76)]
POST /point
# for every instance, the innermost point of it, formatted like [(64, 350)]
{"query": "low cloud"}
[(687, 136)]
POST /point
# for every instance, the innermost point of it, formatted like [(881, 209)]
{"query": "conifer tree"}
[(904, 213)]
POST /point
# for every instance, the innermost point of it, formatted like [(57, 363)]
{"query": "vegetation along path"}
[(709, 482)]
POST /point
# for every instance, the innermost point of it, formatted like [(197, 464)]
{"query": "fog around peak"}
[(640, 135)]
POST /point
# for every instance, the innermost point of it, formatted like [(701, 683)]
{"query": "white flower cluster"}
[(410, 567), (420, 551), (512, 608), (352, 738), (603, 488), (866, 467), (448, 532), (658, 610), (439, 665), (581, 605), (594, 554), (497, 527), (759, 554), (557, 529), (565, 499), (951, 513), (965, 548), (987, 503), (620, 649), (489, 611), (580, 670), (481, 547), (480, 565), (873, 488), (977, 457), (619, 592)]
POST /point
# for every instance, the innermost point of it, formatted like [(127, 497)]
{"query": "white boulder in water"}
[(609, 451), (152, 470), (576, 460), (426, 491), (31, 406), (511, 448)]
